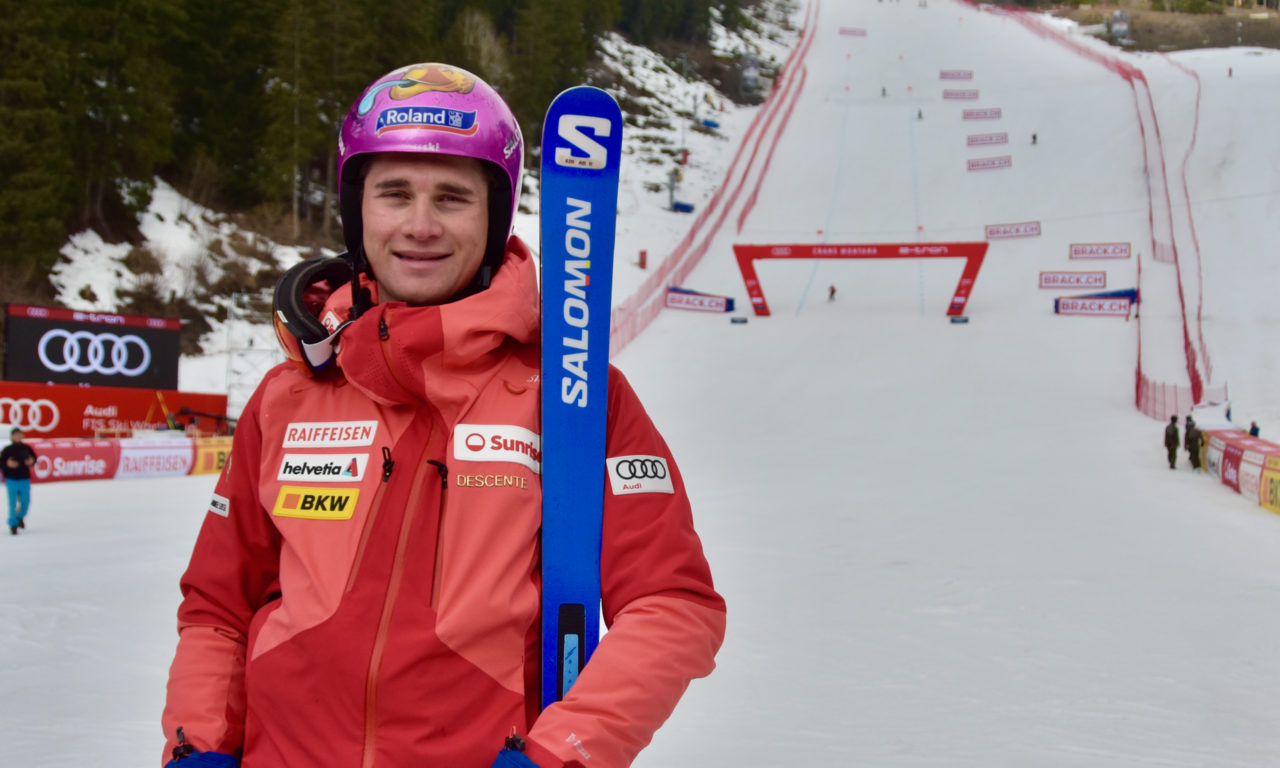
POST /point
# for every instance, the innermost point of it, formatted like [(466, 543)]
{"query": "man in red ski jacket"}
[(365, 587)]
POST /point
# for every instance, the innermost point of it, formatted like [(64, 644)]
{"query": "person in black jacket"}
[(1171, 440), (1193, 442), (16, 461)]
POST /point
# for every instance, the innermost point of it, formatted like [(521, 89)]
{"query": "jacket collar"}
[(397, 354)]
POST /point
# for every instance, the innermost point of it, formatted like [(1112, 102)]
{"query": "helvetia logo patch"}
[(316, 503), (639, 474), (323, 467)]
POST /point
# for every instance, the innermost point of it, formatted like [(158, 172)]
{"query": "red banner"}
[(60, 460), (1231, 455), (103, 318), (64, 410), (972, 253)]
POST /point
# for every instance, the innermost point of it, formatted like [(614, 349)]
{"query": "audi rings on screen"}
[(29, 415), (636, 469), (88, 352)]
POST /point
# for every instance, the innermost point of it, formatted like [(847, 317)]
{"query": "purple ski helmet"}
[(439, 109)]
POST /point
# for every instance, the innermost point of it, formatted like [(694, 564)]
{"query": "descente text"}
[(492, 481)]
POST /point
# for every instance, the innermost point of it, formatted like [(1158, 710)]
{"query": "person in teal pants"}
[(16, 461)]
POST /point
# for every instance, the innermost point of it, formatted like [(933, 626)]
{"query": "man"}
[(365, 588), (1193, 441), (1253, 429), (1171, 440), (16, 461)]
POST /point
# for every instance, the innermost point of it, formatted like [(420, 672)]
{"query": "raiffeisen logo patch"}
[(329, 434), (316, 503), (498, 442), (323, 467), (434, 118)]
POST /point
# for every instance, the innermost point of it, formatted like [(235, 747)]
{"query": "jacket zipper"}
[(421, 472), (388, 607), (374, 506)]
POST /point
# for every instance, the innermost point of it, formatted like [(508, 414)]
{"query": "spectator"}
[(17, 459), (1171, 441), (1193, 442)]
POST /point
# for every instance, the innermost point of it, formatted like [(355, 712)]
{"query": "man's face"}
[(15, 436), (426, 222)]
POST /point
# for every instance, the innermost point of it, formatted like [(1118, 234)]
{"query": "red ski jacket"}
[(364, 590)]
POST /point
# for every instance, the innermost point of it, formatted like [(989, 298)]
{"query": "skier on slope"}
[(365, 587)]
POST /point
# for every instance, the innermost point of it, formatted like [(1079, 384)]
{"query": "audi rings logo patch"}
[(641, 469), (29, 415), (83, 352), (639, 474)]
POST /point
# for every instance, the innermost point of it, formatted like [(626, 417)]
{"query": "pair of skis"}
[(581, 156)]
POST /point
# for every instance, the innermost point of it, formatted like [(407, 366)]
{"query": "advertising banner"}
[(155, 458), (62, 346), (1021, 229), (211, 455), (1269, 490), (853, 31), (62, 460), (989, 113), (953, 94), (1231, 456), (63, 410), (986, 139), (990, 163), (1069, 280), (683, 298), (955, 74), (1100, 250), (1102, 307)]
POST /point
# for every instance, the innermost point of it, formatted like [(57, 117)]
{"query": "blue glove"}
[(509, 758), (211, 760)]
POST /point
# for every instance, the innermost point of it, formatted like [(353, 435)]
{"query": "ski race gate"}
[(972, 253)]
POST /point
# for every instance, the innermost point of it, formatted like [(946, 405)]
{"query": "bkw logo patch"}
[(316, 503)]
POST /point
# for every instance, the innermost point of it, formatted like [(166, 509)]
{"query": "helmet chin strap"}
[(361, 299)]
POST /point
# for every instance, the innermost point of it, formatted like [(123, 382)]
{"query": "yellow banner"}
[(212, 454), (1269, 492)]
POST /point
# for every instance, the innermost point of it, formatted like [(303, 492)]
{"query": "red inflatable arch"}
[(972, 253)]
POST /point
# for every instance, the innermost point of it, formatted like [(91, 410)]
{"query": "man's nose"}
[(422, 221)]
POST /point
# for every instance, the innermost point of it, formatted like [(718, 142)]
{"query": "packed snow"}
[(941, 545)]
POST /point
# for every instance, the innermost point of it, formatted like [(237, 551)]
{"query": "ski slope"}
[(941, 545)]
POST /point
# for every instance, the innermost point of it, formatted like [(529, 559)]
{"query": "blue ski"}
[(581, 155)]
